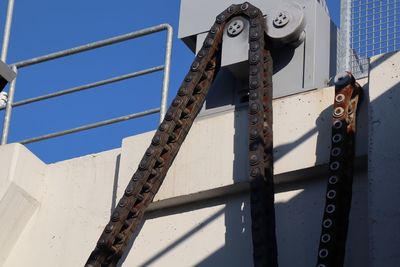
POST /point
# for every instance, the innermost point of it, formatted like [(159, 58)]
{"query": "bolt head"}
[(343, 79), (235, 27), (254, 160), (281, 19)]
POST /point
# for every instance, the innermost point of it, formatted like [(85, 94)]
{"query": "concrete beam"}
[(76, 203), (21, 189), (215, 152)]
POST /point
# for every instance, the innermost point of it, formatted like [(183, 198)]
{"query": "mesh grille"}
[(369, 28)]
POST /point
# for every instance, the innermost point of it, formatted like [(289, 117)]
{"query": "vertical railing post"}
[(167, 70), (7, 30), (9, 106), (344, 48)]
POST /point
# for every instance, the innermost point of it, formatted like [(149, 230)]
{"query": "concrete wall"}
[(53, 214), (384, 160), (21, 191), (76, 200)]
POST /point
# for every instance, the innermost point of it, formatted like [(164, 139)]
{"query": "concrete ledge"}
[(21, 188), (21, 166), (282, 182), (76, 203), (16, 209)]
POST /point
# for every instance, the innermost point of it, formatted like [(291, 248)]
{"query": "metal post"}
[(167, 68), (344, 49), (7, 116), (7, 30)]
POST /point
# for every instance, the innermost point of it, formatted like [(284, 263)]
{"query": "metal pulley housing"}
[(286, 24), (299, 31)]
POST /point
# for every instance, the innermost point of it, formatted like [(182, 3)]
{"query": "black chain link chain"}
[(177, 122), (172, 131), (335, 221)]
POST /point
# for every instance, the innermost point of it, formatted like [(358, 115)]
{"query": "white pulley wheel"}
[(286, 23)]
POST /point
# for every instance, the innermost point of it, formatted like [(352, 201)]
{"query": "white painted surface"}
[(299, 209), (207, 234), (384, 160), (21, 188), (19, 165), (8, 156), (16, 208), (74, 208)]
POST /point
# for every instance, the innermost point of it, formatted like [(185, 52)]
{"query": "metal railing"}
[(79, 49), (7, 30)]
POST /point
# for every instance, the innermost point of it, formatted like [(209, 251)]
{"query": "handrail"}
[(87, 86), (91, 126), (83, 48)]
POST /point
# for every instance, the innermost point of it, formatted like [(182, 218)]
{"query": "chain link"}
[(339, 189), (178, 120), (172, 131)]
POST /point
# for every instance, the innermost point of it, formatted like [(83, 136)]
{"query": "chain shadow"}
[(304, 200)]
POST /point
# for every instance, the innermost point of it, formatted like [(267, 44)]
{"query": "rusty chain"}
[(179, 118), (172, 131), (339, 189)]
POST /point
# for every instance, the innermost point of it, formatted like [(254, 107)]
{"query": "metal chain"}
[(179, 118), (172, 131), (260, 157), (339, 189)]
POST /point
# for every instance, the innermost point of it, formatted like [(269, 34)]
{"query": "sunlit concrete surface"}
[(53, 214), (215, 151), (21, 191), (384, 160)]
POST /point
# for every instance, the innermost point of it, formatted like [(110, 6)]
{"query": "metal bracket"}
[(6, 75)]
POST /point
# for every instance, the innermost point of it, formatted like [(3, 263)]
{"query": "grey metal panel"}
[(287, 61), (6, 72), (308, 65), (318, 53), (200, 39), (293, 69), (198, 16), (235, 49), (321, 47)]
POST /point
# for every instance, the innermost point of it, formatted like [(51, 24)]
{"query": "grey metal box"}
[(296, 69), (6, 74)]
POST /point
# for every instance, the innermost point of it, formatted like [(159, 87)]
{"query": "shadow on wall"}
[(299, 205), (219, 257), (384, 167), (298, 211), (299, 201)]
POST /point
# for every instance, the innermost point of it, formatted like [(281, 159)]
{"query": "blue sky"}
[(44, 26)]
